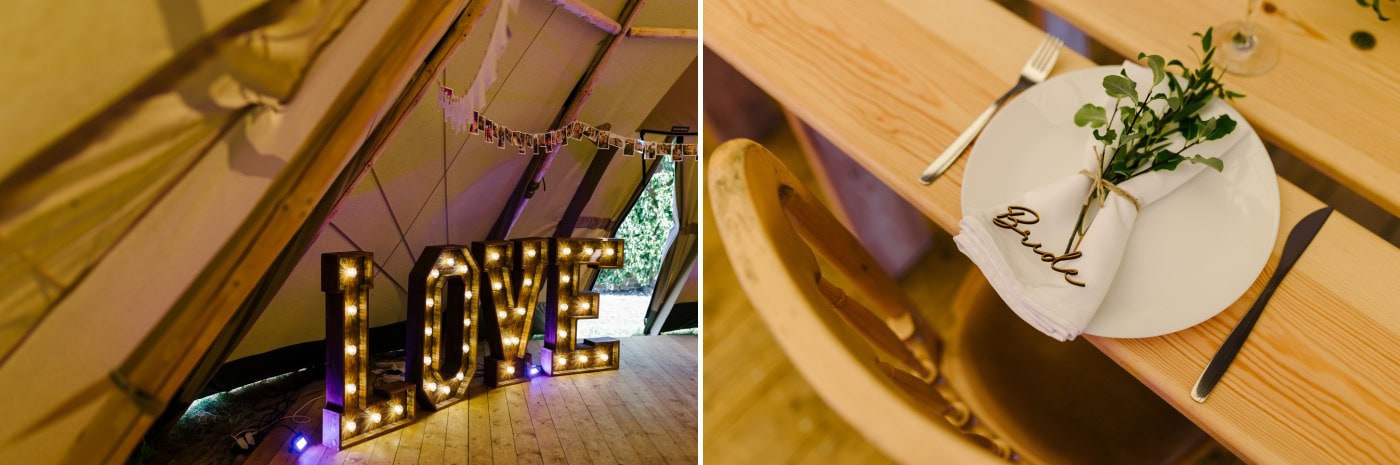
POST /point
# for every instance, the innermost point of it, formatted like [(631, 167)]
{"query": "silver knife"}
[(1298, 240)]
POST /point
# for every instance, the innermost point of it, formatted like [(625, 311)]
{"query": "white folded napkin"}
[(1041, 295)]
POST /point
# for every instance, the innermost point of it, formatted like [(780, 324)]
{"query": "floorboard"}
[(454, 451), (434, 439), (552, 451), (527, 446), (502, 436), (480, 441), (410, 443), (643, 413), (570, 436)]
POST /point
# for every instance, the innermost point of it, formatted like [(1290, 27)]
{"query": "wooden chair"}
[(874, 360)]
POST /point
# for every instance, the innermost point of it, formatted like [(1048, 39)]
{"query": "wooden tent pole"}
[(591, 15), (641, 32), (539, 164), (601, 160), (605, 23), (378, 138), (386, 85)]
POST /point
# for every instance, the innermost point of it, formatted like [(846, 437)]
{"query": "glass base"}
[(1245, 50)]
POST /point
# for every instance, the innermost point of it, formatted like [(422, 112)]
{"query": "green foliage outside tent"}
[(645, 231)]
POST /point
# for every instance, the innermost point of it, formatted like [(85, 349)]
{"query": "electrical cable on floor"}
[(246, 439)]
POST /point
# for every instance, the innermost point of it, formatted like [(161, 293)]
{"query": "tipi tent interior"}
[(176, 173)]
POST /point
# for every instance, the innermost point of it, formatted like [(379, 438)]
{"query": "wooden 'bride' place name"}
[(453, 291), (1015, 217)]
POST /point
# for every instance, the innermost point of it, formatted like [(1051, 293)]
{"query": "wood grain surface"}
[(1328, 102), (758, 408), (892, 82), (644, 413)]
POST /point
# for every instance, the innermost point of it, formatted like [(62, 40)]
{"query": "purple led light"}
[(299, 443)]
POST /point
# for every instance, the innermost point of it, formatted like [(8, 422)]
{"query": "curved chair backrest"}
[(873, 363)]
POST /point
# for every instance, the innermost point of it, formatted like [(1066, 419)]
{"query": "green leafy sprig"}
[(1135, 136), (1375, 6)]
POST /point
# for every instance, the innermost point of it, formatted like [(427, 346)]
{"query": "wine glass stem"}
[(1244, 39)]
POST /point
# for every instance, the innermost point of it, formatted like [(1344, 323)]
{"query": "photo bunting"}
[(533, 143)]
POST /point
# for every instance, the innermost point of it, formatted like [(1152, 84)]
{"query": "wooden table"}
[(892, 82), (1331, 104)]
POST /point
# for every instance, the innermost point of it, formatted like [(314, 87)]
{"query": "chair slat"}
[(875, 331), (828, 238), (873, 361), (940, 399)]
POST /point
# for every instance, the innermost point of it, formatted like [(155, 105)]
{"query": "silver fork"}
[(1034, 72)]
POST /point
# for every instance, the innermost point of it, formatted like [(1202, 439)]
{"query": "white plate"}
[(1191, 254)]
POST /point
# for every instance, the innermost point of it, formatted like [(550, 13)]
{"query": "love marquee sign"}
[(455, 294)]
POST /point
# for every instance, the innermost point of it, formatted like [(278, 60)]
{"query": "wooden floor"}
[(644, 413)]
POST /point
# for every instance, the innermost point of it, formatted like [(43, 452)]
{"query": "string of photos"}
[(456, 110)]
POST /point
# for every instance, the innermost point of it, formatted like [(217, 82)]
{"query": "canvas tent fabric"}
[(681, 249), (406, 188), (88, 153), (116, 214), (160, 155)]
